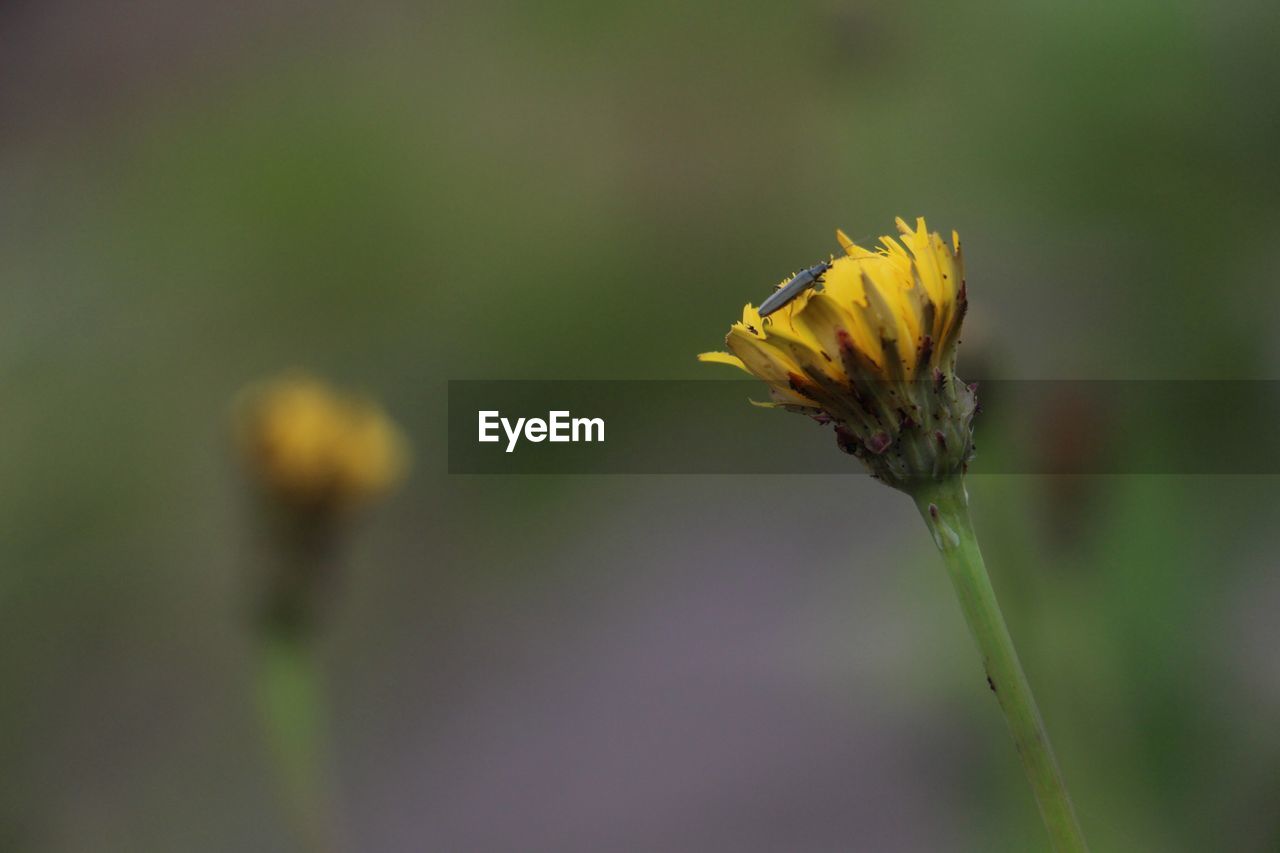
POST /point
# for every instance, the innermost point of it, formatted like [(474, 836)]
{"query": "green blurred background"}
[(194, 196)]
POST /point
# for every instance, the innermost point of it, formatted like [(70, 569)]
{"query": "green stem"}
[(945, 508), (291, 702)]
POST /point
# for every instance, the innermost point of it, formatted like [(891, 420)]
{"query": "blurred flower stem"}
[(945, 507), (318, 455), (292, 699), (293, 708)]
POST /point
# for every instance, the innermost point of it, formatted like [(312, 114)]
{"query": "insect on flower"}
[(798, 284), (872, 352)]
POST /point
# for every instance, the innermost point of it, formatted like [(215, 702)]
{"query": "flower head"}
[(871, 349), (314, 448)]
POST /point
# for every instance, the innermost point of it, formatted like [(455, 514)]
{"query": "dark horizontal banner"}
[(1062, 427)]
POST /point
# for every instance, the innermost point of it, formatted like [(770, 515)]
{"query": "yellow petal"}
[(804, 349), (887, 311), (843, 282), (723, 358), (762, 358), (828, 321), (923, 248)]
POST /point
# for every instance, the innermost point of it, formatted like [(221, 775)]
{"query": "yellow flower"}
[(315, 448), (871, 349)]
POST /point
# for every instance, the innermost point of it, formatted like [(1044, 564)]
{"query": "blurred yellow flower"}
[(316, 448), (872, 348)]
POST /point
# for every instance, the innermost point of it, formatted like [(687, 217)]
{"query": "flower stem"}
[(945, 508), (291, 704)]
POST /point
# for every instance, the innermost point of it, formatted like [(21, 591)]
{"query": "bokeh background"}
[(195, 195)]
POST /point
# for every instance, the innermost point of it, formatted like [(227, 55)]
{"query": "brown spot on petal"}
[(798, 383)]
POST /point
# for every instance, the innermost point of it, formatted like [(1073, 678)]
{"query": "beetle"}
[(798, 284)]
